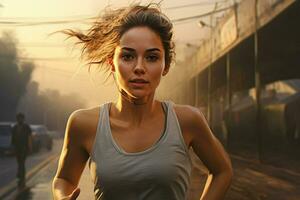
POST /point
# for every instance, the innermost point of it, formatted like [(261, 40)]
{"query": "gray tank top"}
[(161, 172)]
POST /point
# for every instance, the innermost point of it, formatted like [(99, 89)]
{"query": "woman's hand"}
[(72, 196), (208, 149), (73, 157)]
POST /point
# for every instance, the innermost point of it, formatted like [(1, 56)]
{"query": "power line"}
[(194, 4), (200, 16), (71, 75), (73, 17), (38, 23), (61, 59), (39, 44), (90, 19)]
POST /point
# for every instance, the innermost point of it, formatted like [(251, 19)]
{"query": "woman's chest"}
[(162, 166), (137, 139)]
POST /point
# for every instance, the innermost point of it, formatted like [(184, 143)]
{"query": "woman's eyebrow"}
[(153, 49), (127, 49), (148, 50)]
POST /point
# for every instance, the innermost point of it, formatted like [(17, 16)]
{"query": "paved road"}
[(39, 187), (252, 181), (9, 166), (262, 182)]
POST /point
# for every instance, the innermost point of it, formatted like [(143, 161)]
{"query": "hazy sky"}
[(58, 67)]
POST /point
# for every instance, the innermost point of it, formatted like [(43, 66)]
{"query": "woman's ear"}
[(166, 70), (111, 64)]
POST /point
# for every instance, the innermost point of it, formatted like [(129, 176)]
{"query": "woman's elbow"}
[(61, 188), (227, 168), (57, 185), (225, 173), (228, 173)]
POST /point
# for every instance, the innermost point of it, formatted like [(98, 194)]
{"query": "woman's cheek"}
[(157, 74)]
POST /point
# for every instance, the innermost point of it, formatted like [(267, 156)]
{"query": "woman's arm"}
[(63, 190), (72, 160), (210, 151), (219, 179)]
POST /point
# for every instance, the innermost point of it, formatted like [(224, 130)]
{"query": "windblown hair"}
[(100, 41)]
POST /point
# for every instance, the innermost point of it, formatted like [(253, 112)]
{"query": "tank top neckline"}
[(119, 149)]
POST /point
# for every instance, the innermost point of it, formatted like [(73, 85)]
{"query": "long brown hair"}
[(100, 41)]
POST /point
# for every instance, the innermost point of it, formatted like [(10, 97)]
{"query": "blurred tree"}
[(48, 107), (14, 76), (18, 93)]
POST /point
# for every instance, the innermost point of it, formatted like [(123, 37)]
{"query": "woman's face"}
[(139, 62)]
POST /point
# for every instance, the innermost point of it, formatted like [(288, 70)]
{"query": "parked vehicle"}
[(55, 134), (41, 138), (6, 147)]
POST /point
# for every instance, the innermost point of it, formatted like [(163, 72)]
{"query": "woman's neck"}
[(135, 111)]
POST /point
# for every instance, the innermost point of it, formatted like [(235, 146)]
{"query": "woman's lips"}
[(138, 82)]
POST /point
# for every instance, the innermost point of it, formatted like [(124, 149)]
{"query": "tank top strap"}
[(118, 175), (174, 127), (105, 121), (101, 126)]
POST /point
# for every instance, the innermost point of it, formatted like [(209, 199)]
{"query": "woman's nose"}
[(139, 67)]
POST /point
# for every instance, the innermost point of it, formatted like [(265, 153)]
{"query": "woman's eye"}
[(152, 58), (127, 57)]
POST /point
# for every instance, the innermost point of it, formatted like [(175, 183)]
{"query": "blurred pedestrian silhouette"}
[(22, 142)]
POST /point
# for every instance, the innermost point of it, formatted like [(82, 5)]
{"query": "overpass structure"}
[(255, 32), (257, 42)]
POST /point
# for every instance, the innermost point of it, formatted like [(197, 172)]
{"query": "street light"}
[(46, 115), (1, 6), (189, 45), (202, 24)]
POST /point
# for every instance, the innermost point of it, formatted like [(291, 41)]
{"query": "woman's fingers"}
[(75, 194), (72, 196)]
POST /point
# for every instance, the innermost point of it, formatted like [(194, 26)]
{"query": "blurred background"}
[(236, 60)]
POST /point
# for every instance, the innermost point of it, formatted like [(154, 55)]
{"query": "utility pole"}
[(209, 83), (228, 97), (257, 70), (1, 7)]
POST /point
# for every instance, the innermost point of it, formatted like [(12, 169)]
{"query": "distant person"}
[(138, 146), (22, 142)]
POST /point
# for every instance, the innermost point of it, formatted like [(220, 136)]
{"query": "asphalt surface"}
[(252, 181), (34, 163), (39, 187), (9, 165)]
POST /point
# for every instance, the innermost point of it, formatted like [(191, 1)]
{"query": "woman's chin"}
[(139, 97)]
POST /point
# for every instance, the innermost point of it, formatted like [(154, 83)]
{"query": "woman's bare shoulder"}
[(188, 113), (83, 122), (81, 114), (190, 118)]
